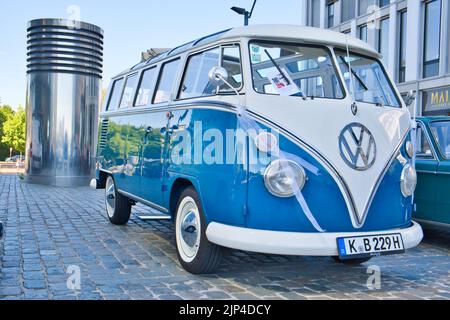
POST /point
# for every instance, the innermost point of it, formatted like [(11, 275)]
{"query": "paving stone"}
[(49, 229)]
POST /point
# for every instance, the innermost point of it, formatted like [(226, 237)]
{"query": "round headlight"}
[(283, 178), (408, 180), (409, 149)]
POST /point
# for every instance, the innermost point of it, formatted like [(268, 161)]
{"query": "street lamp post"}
[(242, 11), (10, 152)]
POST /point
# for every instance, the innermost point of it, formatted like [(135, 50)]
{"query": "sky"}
[(130, 27)]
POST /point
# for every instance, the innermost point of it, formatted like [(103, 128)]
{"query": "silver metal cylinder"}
[(65, 61)]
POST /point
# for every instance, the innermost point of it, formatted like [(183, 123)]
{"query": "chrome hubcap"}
[(188, 229), (110, 197)]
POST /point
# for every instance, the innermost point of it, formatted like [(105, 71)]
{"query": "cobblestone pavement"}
[(49, 229)]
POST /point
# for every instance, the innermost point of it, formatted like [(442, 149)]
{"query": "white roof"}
[(300, 33), (284, 32)]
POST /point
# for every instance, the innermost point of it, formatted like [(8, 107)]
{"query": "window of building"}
[(330, 14), (383, 39), (432, 38), (363, 33), (314, 7), (364, 5), (383, 3), (127, 96), (165, 83), (402, 47), (116, 92), (448, 39), (148, 79), (347, 10)]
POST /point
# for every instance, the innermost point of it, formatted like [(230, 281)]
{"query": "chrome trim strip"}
[(427, 172), (146, 202), (153, 218), (105, 171)]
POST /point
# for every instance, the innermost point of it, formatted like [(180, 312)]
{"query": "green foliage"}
[(13, 131), (6, 112)]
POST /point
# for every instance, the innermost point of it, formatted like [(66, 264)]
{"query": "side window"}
[(116, 91), (145, 87), (231, 61), (165, 83), (127, 97), (423, 145), (196, 78)]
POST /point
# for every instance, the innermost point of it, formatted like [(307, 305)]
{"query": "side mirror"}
[(410, 97), (218, 76)]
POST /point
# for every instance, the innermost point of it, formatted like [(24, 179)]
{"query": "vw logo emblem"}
[(357, 147)]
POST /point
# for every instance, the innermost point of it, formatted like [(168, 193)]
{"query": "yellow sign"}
[(436, 101)]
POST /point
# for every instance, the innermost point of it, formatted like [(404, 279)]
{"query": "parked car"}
[(432, 197), (17, 158), (341, 186)]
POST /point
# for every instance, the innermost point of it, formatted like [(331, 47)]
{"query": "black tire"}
[(118, 207), (352, 262), (208, 255)]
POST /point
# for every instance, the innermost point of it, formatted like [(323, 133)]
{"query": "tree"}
[(6, 112), (14, 131)]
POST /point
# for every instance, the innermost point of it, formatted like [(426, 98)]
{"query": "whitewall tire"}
[(118, 207), (196, 254)]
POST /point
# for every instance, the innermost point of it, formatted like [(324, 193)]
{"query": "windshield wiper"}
[(275, 64), (360, 81)]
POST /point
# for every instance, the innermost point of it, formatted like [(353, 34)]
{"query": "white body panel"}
[(319, 123), (290, 243)]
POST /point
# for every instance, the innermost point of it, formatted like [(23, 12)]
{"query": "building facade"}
[(413, 37)]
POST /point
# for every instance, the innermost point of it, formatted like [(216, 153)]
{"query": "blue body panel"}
[(235, 194)]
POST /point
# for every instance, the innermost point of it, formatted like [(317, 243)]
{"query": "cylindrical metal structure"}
[(64, 73)]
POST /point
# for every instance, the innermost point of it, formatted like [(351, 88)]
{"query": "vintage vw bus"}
[(332, 133)]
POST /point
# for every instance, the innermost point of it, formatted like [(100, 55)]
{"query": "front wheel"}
[(196, 254), (118, 207)]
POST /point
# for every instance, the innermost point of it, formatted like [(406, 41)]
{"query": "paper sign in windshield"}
[(282, 84)]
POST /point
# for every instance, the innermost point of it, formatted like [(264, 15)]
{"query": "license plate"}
[(367, 246)]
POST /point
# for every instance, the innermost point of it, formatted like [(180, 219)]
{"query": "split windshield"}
[(294, 70), (308, 71), (368, 82)]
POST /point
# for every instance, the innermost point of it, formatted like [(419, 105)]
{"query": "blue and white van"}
[(326, 171)]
